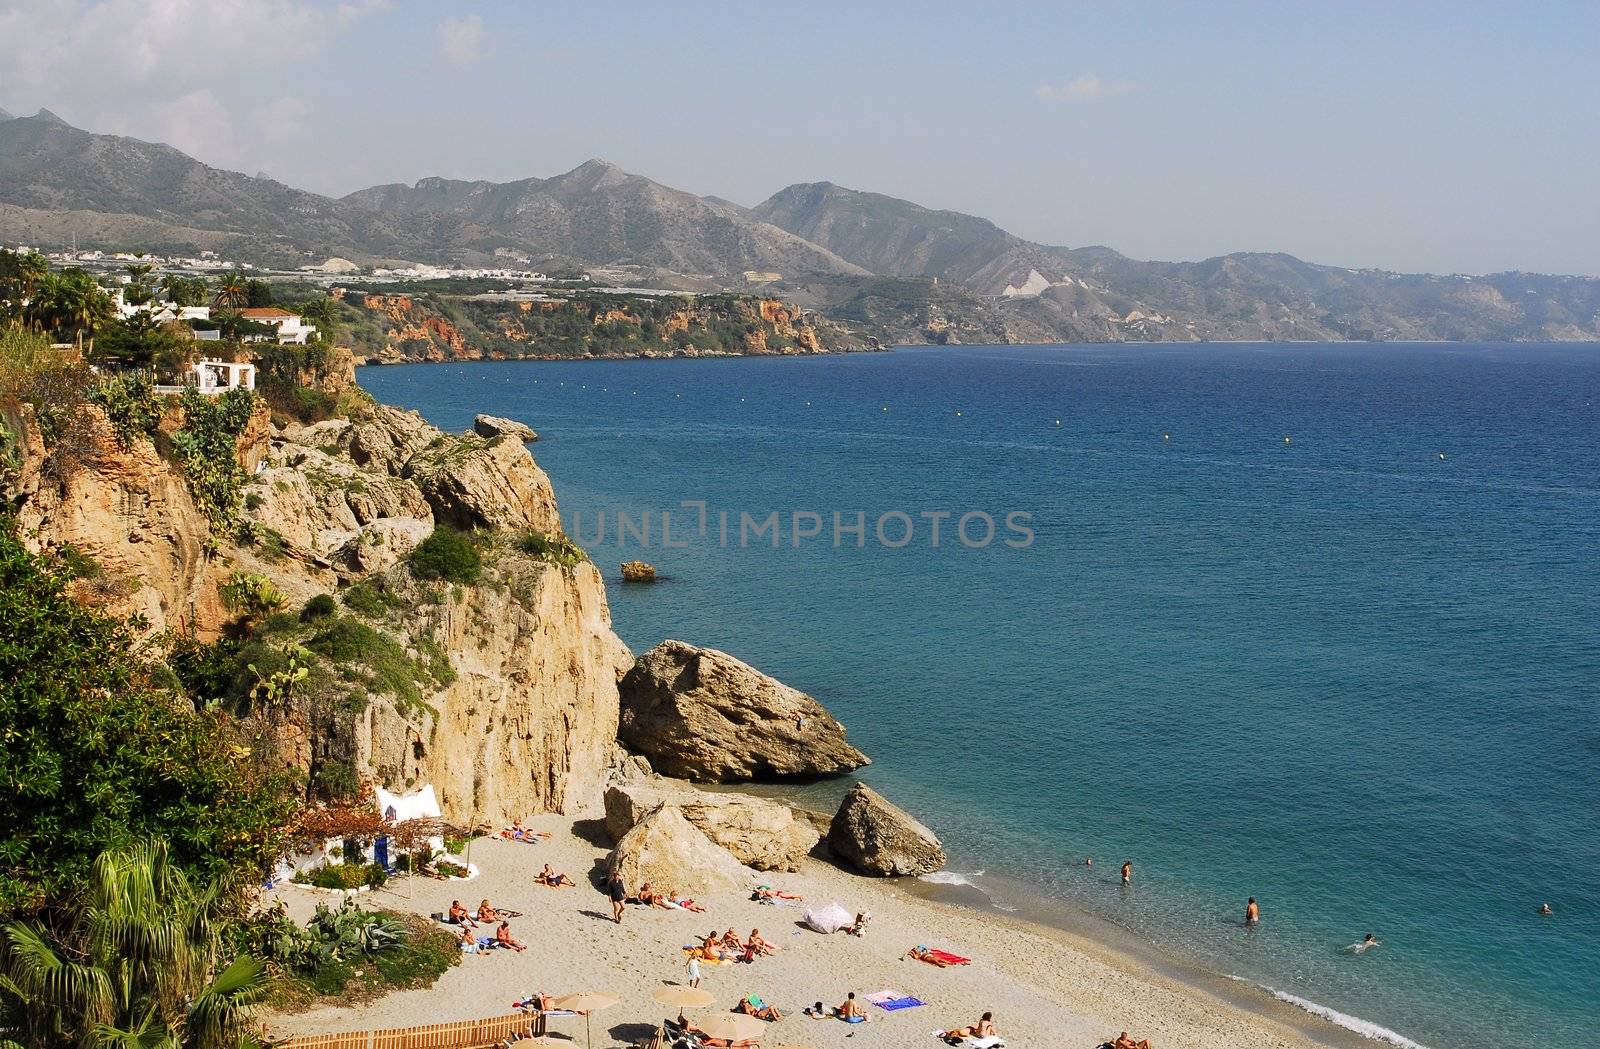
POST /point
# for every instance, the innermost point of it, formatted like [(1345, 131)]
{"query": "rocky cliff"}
[(500, 690), (391, 329)]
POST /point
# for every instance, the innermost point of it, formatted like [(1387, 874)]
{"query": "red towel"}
[(948, 958)]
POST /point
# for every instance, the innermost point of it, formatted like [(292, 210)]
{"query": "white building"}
[(292, 330)]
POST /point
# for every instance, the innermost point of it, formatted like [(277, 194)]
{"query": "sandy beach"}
[(1045, 987)]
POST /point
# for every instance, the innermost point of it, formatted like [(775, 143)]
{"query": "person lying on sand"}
[(922, 954), (459, 915), (1124, 1042), (767, 892), (751, 1005), (517, 832), (757, 944), (984, 1028), (816, 1012), (718, 1043), (850, 1010), (555, 880), (683, 902), (502, 938)]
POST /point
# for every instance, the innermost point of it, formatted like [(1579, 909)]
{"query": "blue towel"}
[(900, 1003)]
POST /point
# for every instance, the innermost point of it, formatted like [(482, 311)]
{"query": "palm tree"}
[(233, 289), (138, 968)]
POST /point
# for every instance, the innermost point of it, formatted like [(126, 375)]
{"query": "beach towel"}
[(895, 1004), (937, 957)]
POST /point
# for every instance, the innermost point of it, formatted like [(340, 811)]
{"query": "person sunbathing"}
[(850, 1010), (549, 876), (984, 1028), (859, 926), (651, 898), (459, 915), (683, 902), (469, 942), (922, 954), (1125, 1042), (487, 914), (750, 1005), (768, 893), (757, 945), (502, 938), (731, 941), (717, 1043)]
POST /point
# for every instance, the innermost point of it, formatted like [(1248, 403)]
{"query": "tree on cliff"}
[(96, 751)]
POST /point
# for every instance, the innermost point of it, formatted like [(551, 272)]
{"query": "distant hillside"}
[(887, 268), (595, 214), (896, 238)]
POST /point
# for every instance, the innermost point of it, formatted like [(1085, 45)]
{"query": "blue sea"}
[(1314, 624)]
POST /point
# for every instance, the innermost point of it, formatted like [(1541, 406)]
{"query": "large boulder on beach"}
[(880, 838), (491, 426), (759, 833), (667, 851), (702, 715)]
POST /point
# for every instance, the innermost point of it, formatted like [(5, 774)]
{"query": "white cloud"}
[(461, 39), (152, 68), (1084, 87), (281, 120)]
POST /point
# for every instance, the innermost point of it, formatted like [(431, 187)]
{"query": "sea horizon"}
[(1291, 620)]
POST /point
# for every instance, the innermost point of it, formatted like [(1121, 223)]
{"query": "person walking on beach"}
[(1252, 913), (693, 966), (1127, 872), (618, 894)]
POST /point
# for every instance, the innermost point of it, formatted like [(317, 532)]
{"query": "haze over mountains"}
[(891, 267)]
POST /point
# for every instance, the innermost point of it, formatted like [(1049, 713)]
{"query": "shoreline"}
[(1048, 986)]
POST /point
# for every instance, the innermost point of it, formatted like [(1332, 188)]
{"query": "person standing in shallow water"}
[(1127, 872), (1252, 913)]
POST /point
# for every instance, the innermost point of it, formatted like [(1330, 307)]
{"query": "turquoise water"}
[(1340, 674)]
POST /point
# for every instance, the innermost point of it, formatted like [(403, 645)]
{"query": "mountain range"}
[(889, 267)]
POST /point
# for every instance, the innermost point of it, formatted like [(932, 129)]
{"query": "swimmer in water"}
[(1088, 861), (1252, 912), (1127, 872), (1544, 908), (1366, 944)]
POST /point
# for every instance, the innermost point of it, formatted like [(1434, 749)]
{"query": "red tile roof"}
[(265, 311)]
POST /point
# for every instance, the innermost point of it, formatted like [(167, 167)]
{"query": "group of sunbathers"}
[(729, 948), (648, 896), (487, 915)]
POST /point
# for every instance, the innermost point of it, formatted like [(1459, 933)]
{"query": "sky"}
[(1442, 137)]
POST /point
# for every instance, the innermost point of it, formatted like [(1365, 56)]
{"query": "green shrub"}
[(374, 660), (365, 598), (131, 403), (251, 595), (205, 448), (554, 548), (446, 554), (319, 607)]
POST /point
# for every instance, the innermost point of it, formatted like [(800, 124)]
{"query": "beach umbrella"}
[(734, 1027), (587, 1002), (683, 997)]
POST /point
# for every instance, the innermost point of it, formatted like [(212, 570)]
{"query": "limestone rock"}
[(638, 572), (667, 851), (386, 438), (382, 543), (474, 483), (491, 426), (702, 715), (758, 832), (880, 838)]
